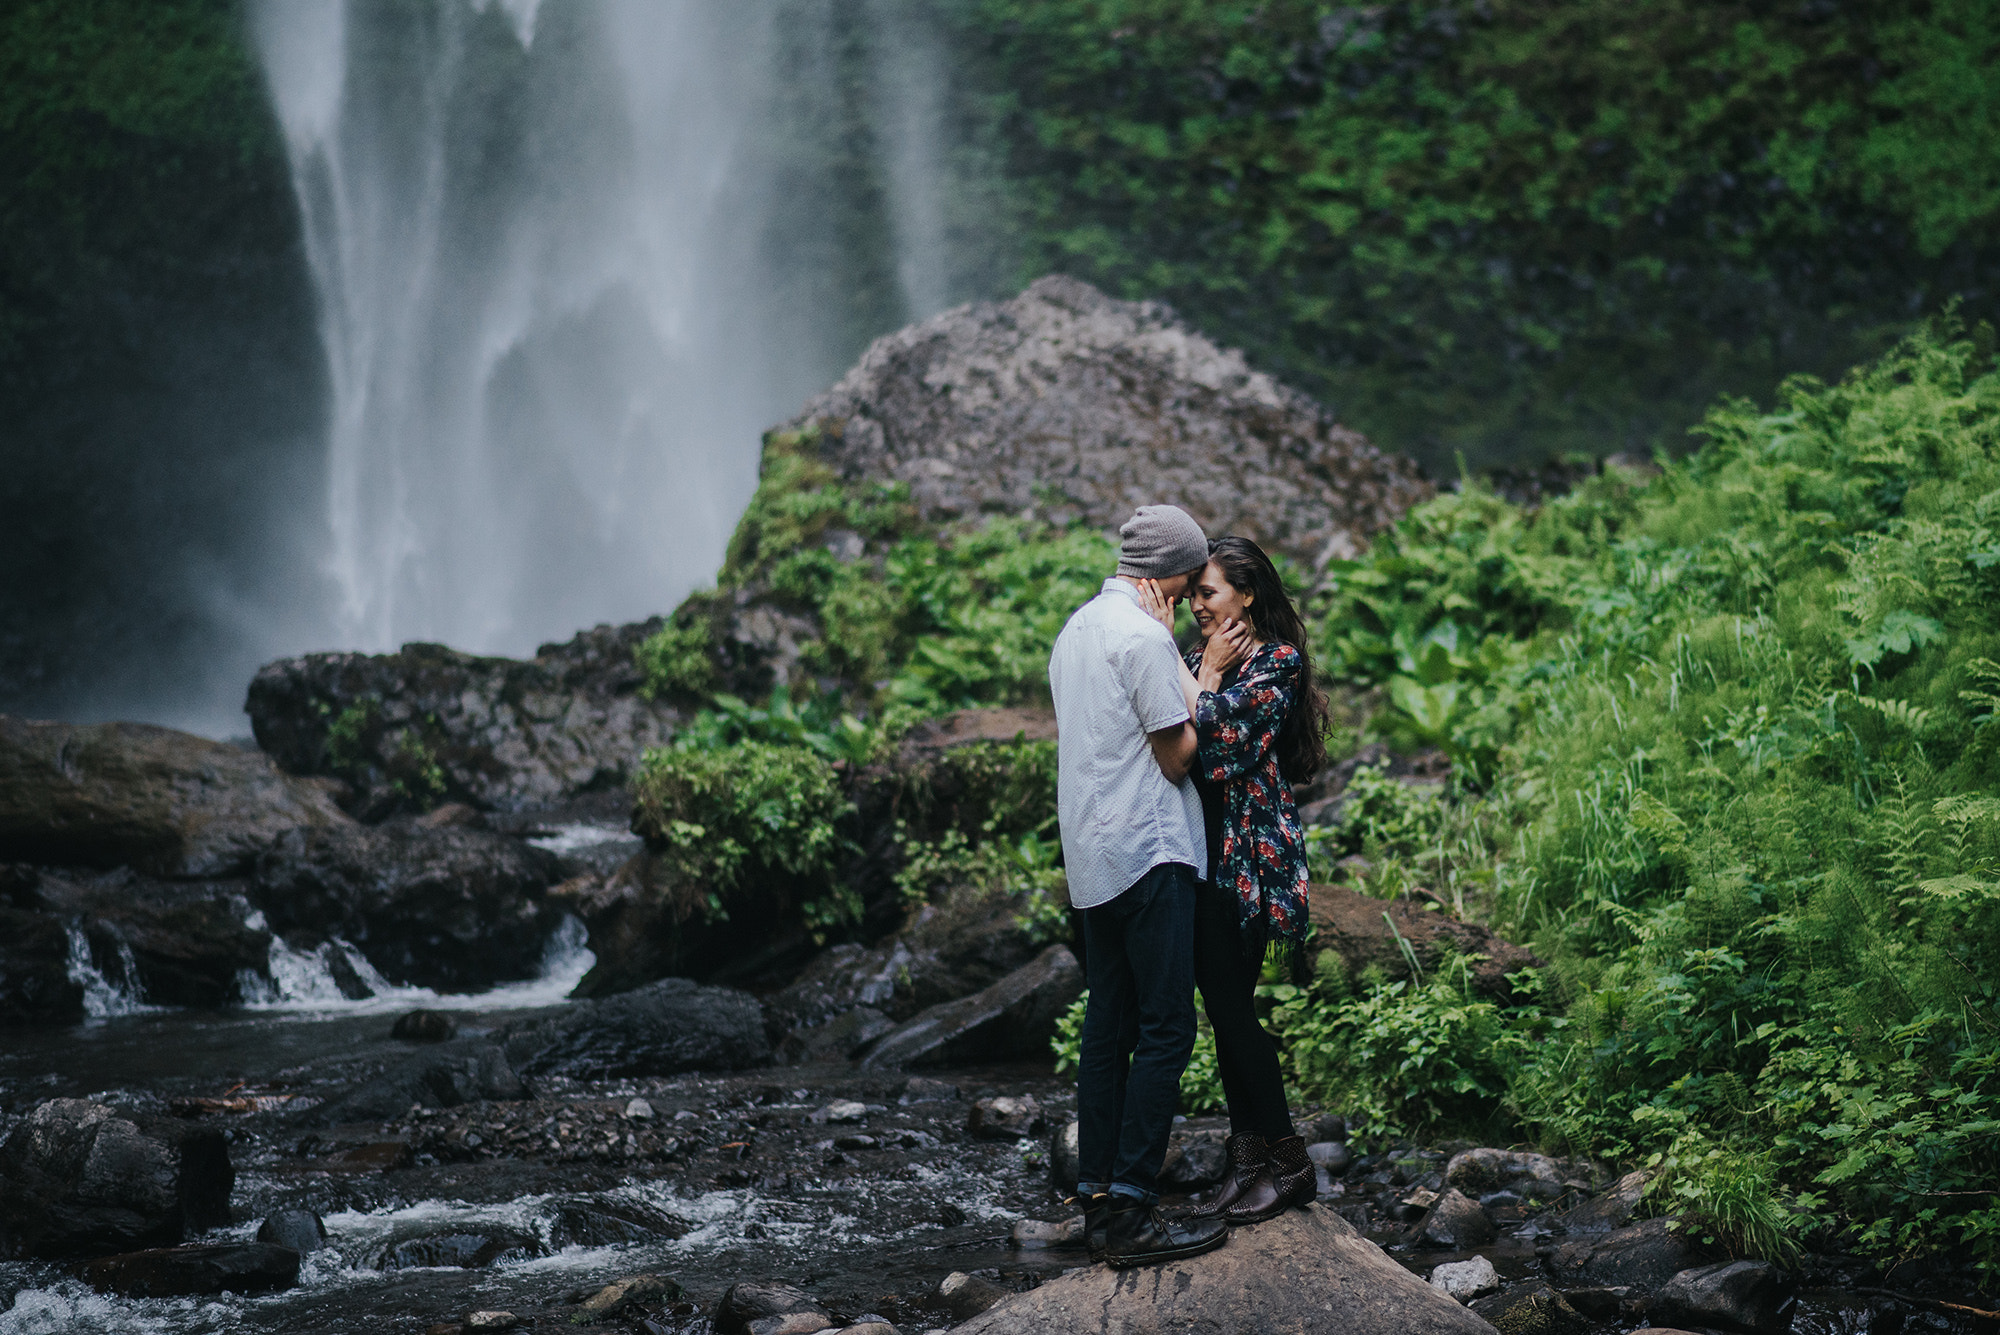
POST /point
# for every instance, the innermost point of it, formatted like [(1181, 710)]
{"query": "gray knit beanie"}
[(1160, 541)]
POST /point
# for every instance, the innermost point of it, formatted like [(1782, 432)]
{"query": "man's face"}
[(1176, 587)]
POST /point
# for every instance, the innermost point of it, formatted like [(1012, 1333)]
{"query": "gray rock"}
[(1014, 1018), (1005, 1118), (664, 1028), (1330, 1156), (178, 1272), (1481, 1173), (1082, 406), (621, 1294), (35, 986), (966, 1296), (836, 1040), (1736, 1295), (1065, 1157), (1533, 1308), (502, 733), (923, 1089), (464, 1070), (174, 943), (1307, 1270), (301, 1230), (451, 908), (1456, 1223), (1466, 1280), (81, 1179), (129, 794), (609, 1222), (1610, 1209), (468, 1249), (423, 1027), (1643, 1256), (1195, 1159), (747, 1305)]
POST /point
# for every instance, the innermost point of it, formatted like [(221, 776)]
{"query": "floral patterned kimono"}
[(1262, 854)]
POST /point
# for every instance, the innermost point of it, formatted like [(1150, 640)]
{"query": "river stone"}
[(1005, 1118), (1014, 1018), (1195, 1159), (1330, 1157), (502, 733), (1305, 1271), (443, 1075), (423, 1026), (1081, 406), (1456, 1223), (453, 909), (1610, 1209), (468, 1249), (1533, 1308), (966, 1296), (177, 1272), (301, 1230), (1737, 1295), (1644, 1255), (168, 803), (1484, 1172), (621, 1294), (761, 1308), (1065, 1157), (664, 1028), (609, 1222), (81, 1179), (1466, 1280)]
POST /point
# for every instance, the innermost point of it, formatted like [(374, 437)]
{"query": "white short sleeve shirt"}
[(1115, 675)]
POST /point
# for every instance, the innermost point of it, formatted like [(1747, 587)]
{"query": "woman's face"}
[(1215, 600)]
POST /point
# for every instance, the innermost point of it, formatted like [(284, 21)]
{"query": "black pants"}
[(1138, 1029), (1248, 1059)]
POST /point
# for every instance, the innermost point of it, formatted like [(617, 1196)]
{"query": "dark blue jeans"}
[(1138, 1029)]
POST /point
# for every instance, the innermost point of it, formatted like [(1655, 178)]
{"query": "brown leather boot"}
[(1287, 1179), (1247, 1155)]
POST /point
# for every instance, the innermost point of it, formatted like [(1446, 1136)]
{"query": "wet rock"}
[(966, 1296), (129, 794), (468, 1249), (1466, 1280), (609, 1222), (1481, 1173), (301, 1230), (1644, 1256), (491, 1321), (1736, 1295), (382, 1156), (1608, 1303), (452, 909), (424, 1027), (836, 1040), (664, 1028), (1330, 1157), (1005, 1118), (1532, 1309), (639, 1110), (1071, 402), (174, 943), (869, 1328), (501, 734), (621, 1294), (1065, 1157), (922, 1089), (1456, 1223), (1013, 1018), (176, 1272), (1305, 1270), (35, 986), (78, 1179), (1610, 1209), (757, 1308), (1351, 926), (1195, 1159), (464, 1070), (840, 1110), (1039, 1235)]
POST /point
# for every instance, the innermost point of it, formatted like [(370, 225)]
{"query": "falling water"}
[(553, 301)]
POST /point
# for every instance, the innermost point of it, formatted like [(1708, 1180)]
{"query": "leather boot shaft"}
[(1247, 1153), (1287, 1179)]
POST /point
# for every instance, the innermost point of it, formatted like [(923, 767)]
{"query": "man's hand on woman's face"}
[(1229, 645), (1156, 603)]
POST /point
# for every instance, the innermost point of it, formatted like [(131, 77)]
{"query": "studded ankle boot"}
[(1286, 1179), (1247, 1155)]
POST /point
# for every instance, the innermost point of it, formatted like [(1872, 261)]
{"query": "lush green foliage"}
[(721, 816), (1514, 228)]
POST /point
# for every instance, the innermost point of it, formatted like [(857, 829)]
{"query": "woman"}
[(1261, 726)]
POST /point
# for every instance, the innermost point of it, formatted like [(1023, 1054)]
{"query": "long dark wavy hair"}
[(1302, 739)]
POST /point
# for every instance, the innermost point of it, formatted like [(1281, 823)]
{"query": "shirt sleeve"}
[(1236, 728), (1152, 673)]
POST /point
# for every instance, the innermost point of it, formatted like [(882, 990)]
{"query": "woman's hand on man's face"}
[(1156, 603)]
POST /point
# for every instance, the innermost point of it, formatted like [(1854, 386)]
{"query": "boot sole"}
[(1172, 1254), (1244, 1221)]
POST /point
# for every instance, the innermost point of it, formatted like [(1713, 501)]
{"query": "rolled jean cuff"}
[(1130, 1192), (1090, 1188)]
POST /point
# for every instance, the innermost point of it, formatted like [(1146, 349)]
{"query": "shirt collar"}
[(1117, 585)]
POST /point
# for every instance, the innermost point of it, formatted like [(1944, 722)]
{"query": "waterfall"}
[(556, 297)]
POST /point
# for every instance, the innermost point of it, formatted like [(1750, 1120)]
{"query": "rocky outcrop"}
[(169, 943), (1362, 932), (453, 908), (429, 724), (1307, 1270), (35, 982), (130, 794), (664, 1028), (82, 1179), (1735, 1295), (1078, 406), (1013, 1018)]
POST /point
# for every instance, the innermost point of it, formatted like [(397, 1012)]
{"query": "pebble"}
[(639, 1109), (492, 1321), (841, 1110)]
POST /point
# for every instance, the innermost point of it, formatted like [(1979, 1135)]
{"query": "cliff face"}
[(1073, 405)]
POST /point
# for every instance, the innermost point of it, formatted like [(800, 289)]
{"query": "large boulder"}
[(1306, 1271), (1362, 932), (1643, 1256), (1079, 406), (82, 1179), (430, 724), (664, 1028), (168, 803), (453, 908), (1013, 1018), (464, 1070), (178, 1272), (35, 981), (168, 943), (1736, 1295)]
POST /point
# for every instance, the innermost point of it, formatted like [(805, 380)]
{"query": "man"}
[(1132, 843)]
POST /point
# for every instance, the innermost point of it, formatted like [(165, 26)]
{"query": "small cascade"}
[(102, 997), (337, 979)]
